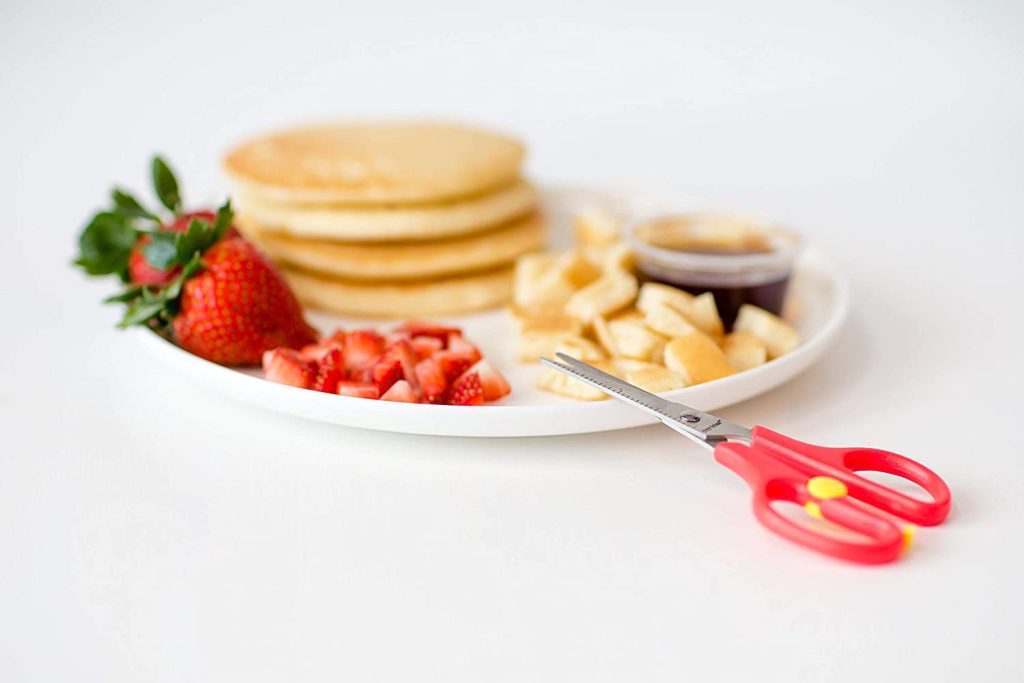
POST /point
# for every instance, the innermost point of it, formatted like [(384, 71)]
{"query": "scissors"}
[(822, 480)]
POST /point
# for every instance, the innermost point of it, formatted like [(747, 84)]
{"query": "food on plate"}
[(404, 261), (426, 218), (778, 337), (192, 278), (374, 163), (735, 260), (401, 299), (589, 303), (417, 362)]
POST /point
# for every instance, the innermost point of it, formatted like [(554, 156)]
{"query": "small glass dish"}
[(739, 260)]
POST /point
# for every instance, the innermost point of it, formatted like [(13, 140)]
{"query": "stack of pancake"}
[(388, 220)]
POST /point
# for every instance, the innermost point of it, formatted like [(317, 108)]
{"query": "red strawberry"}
[(139, 269), (419, 328), (467, 391), (452, 364), (456, 344), (358, 390), (394, 337), (425, 347), (493, 382), (362, 347), (238, 306), (386, 373), (330, 372), (288, 367), (400, 391), (431, 380), (403, 351)]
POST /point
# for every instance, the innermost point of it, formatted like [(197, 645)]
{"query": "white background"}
[(151, 531)]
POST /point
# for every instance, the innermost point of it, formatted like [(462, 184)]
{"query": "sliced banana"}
[(567, 385), (666, 320), (610, 292), (653, 293), (697, 358), (595, 228), (656, 379), (777, 335), (581, 348), (635, 340), (744, 350), (530, 268)]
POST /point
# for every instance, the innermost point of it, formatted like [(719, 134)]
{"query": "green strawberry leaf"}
[(130, 294), (173, 289), (127, 205), (160, 252), (141, 311), (105, 244), (225, 214), (166, 185), (198, 237)]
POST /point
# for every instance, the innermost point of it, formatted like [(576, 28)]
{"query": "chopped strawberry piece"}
[(358, 389), (420, 328), (402, 351), (386, 373), (467, 391), (425, 347), (452, 364), (394, 337), (362, 347), (362, 375), (493, 382), (401, 391), (432, 380), (287, 366), (457, 344), (330, 372)]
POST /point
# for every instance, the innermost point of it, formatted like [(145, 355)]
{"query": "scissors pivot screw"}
[(689, 418)]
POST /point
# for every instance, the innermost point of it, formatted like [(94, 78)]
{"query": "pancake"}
[(359, 163), (392, 222), (406, 261), (423, 298)]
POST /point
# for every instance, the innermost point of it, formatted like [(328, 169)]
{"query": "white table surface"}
[(152, 531)]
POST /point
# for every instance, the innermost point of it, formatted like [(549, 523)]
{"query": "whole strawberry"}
[(192, 278), (237, 306)]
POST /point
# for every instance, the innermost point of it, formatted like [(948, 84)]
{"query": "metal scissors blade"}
[(704, 428)]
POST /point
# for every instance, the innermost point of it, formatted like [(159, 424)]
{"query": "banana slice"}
[(566, 385), (744, 350), (656, 379), (697, 358), (653, 293), (607, 294), (604, 336), (703, 313), (635, 340), (530, 268), (581, 348), (777, 335), (540, 335), (618, 257), (667, 320), (622, 366), (595, 228)]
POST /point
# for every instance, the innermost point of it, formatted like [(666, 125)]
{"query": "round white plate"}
[(817, 303)]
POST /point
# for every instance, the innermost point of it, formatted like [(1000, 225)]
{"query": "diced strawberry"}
[(396, 336), (493, 382), (313, 352), (401, 391), (336, 337), (358, 389), (363, 375), (386, 373), (425, 347), (287, 366), (467, 391), (422, 328), (402, 351), (457, 344), (362, 347), (452, 364), (432, 381), (330, 372)]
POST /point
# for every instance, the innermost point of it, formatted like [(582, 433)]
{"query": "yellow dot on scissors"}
[(813, 509), (826, 487), (908, 536)]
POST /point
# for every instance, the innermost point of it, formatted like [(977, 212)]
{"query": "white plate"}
[(817, 303)]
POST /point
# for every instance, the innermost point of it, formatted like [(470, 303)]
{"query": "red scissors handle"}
[(825, 482)]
